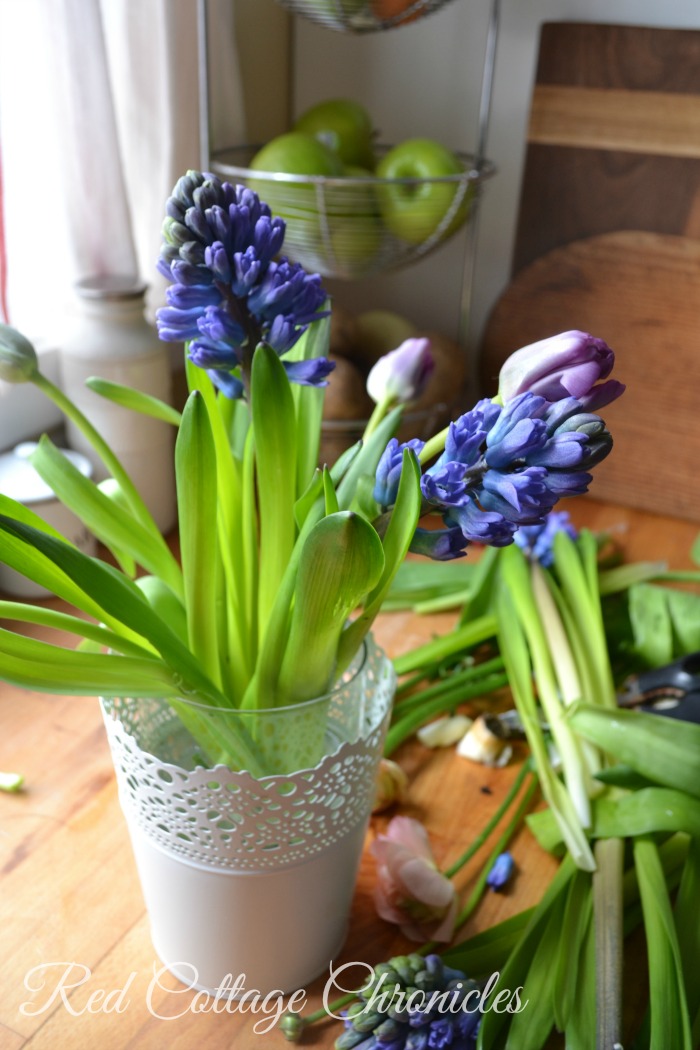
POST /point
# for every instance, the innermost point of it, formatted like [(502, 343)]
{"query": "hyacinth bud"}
[(18, 360), (500, 872), (175, 233), (292, 1027), (565, 365), (403, 374)]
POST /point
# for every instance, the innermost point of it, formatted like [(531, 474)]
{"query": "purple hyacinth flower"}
[(518, 431), (445, 485), (217, 325), (562, 451), (247, 271), (537, 540), (439, 544), (522, 496), (388, 473), (313, 372), (219, 247), (227, 383), (466, 435), (568, 483), (482, 526), (500, 872), (190, 297)]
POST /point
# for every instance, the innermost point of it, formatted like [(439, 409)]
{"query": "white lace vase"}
[(243, 876)]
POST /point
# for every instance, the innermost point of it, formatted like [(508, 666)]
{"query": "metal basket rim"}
[(485, 170), (415, 11)]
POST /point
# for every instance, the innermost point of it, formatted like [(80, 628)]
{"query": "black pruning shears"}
[(672, 690)]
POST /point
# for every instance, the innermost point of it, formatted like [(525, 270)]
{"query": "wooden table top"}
[(69, 891)]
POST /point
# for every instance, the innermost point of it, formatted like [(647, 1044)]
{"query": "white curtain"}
[(99, 115)]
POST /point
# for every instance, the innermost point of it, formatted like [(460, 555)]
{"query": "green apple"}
[(414, 211), (295, 154), (354, 224), (344, 126), (377, 332)]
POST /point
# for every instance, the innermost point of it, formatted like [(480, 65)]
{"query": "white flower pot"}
[(246, 877)]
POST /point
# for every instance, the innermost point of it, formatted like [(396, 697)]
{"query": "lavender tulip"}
[(567, 365), (403, 374)]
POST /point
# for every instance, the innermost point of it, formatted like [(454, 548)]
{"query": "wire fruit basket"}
[(363, 16), (358, 226)]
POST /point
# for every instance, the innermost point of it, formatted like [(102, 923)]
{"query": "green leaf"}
[(329, 493), (684, 609), (666, 750), (581, 1026), (275, 451), (647, 811), (165, 604), (421, 579), (314, 492), (695, 550), (24, 557), (531, 1027), (624, 777), (481, 590), (515, 972), (343, 548), (488, 951), (448, 646), (115, 527), (397, 540), (670, 1021), (344, 462), (52, 668), (117, 600), (111, 488), (60, 621), (567, 958), (136, 400), (308, 400), (651, 624), (687, 920), (195, 472)]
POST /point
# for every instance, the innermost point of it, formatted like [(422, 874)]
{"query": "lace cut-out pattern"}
[(232, 821)]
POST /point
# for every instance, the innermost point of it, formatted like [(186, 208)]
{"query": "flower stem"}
[(477, 892), (608, 915), (111, 462), (493, 823), (417, 716), (381, 409), (480, 887), (434, 445)]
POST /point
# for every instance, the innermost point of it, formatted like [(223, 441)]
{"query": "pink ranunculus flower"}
[(410, 891), (571, 364)]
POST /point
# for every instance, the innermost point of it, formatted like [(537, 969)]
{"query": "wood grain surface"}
[(613, 140), (68, 884), (641, 293)]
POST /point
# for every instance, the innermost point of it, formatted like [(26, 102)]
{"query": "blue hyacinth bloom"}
[(228, 294), (500, 872), (503, 467), (388, 475), (537, 540)]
